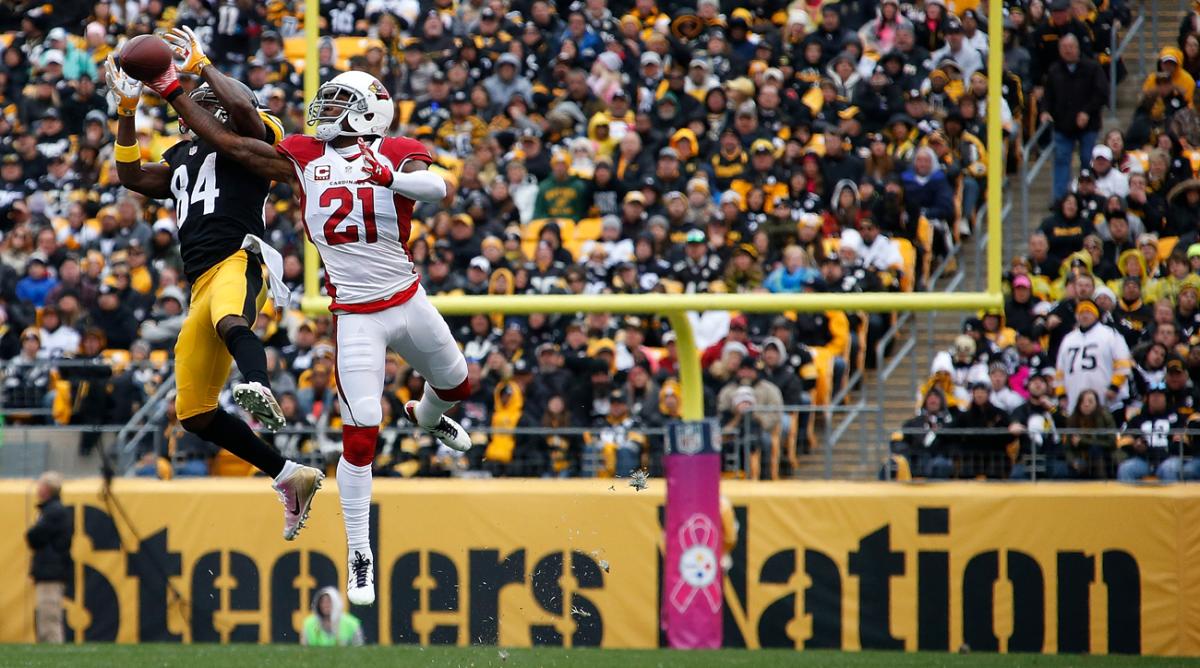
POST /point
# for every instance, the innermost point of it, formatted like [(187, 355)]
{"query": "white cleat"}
[(259, 402), (449, 432), (296, 492), (360, 579)]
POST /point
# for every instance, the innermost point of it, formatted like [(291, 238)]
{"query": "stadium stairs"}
[(900, 390)]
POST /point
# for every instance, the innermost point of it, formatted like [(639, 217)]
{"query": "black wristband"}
[(174, 94)]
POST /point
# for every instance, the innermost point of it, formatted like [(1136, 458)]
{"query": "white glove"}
[(188, 50), (122, 88)]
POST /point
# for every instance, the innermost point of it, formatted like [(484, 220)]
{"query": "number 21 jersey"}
[(361, 230)]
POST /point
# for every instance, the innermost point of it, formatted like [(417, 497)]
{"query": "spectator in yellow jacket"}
[(1169, 59)]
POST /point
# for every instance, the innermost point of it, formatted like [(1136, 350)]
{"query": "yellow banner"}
[(1100, 568)]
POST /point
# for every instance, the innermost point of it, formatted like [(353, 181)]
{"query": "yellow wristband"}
[(127, 153)]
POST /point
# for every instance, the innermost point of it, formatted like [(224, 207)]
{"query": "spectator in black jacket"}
[(777, 368), (1049, 36), (114, 318), (1075, 96), (1034, 422), (830, 34), (838, 164), (981, 453), (1019, 309), (51, 567), (918, 441), (1066, 227)]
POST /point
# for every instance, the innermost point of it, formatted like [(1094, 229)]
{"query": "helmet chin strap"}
[(328, 131)]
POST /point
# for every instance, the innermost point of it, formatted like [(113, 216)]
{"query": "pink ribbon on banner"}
[(692, 594), (698, 565)]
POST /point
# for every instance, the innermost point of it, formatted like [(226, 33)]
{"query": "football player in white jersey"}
[(357, 189)]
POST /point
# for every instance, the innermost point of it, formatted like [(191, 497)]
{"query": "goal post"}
[(676, 306), (312, 81)]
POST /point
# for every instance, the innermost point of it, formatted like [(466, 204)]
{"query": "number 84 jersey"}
[(361, 230), (217, 200)]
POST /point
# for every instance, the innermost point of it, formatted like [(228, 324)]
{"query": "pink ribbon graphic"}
[(698, 565), (692, 595)]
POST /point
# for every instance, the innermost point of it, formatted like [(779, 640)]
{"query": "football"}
[(145, 57)]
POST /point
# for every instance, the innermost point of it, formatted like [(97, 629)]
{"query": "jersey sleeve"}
[(300, 149), (402, 149), (169, 155), (274, 128)]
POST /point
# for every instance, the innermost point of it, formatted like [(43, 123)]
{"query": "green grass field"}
[(234, 656)]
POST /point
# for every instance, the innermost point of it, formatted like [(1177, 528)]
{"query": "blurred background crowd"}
[(625, 147), (1091, 371)]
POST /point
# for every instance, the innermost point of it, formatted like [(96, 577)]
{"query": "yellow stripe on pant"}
[(233, 286)]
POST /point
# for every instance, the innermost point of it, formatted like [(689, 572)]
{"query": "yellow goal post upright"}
[(675, 307)]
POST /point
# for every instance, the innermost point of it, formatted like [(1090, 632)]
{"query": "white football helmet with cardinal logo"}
[(353, 104)]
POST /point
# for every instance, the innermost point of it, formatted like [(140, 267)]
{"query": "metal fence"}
[(1120, 46), (1029, 174), (761, 443), (1155, 452), (33, 389), (403, 450)]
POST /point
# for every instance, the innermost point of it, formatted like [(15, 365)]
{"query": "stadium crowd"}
[(594, 147), (1092, 369)]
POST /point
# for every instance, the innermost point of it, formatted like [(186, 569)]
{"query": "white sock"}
[(431, 407), (354, 488), (289, 467)]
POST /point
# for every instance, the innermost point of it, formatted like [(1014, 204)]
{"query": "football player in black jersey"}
[(218, 204)]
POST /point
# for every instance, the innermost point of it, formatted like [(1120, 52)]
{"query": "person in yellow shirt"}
[(617, 446), (1169, 59), (464, 130), (508, 402)]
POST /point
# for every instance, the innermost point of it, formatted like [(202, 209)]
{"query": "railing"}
[(1119, 50), (30, 387), (1055, 453), (851, 414), (30, 394), (942, 453), (598, 451), (143, 423), (1029, 175)]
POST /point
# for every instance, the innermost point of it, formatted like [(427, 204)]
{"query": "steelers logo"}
[(698, 566)]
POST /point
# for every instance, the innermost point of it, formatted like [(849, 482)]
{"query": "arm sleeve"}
[(1040, 78), (944, 204), (43, 531), (839, 331), (1122, 362), (539, 207), (1098, 100), (1059, 375), (422, 186)]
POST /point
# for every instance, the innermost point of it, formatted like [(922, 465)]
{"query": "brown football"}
[(145, 57)]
